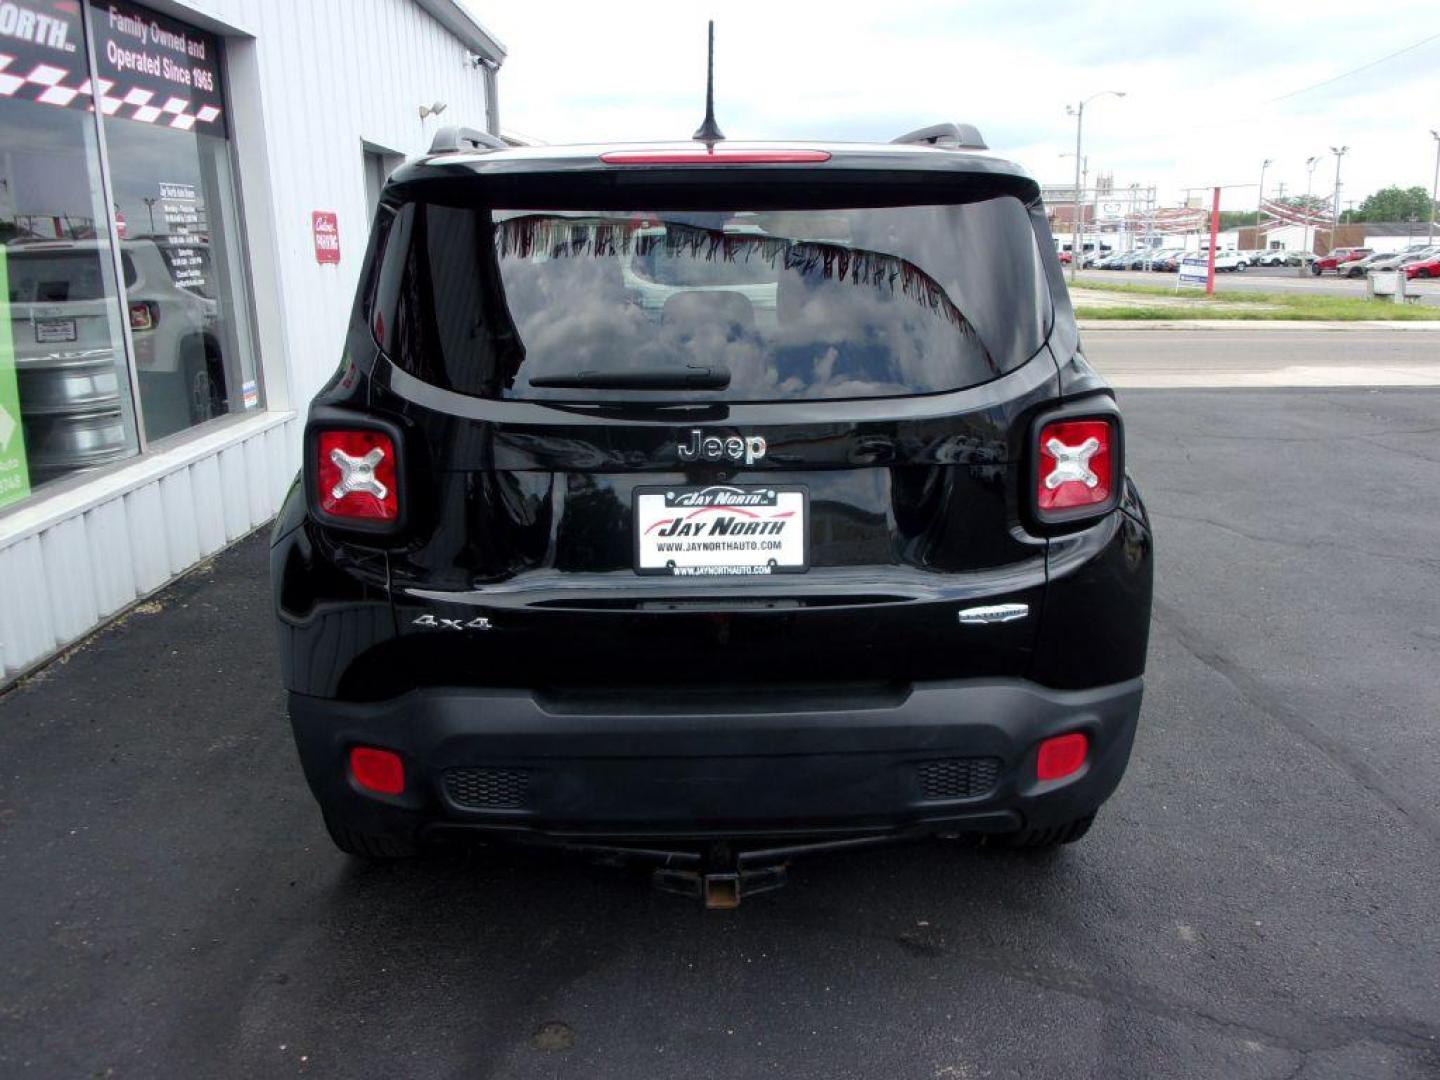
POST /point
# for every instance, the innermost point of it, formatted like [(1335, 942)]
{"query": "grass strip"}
[(1378, 312), (1251, 305)]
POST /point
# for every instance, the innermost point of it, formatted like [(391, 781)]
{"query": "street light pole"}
[(1339, 152), (1084, 182), (1078, 111), (1260, 202), (1434, 188), (1075, 218), (1310, 165)]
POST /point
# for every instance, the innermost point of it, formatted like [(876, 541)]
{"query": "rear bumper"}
[(612, 767)]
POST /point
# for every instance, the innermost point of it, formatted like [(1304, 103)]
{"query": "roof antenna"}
[(709, 132)]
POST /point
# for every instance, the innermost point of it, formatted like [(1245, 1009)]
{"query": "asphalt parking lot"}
[(1260, 899)]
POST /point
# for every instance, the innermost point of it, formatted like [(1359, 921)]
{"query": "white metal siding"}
[(62, 580)]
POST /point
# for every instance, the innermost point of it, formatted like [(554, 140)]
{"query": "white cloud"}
[(1200, 81)]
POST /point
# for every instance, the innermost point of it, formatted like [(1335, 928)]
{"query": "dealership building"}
[(185, 196)]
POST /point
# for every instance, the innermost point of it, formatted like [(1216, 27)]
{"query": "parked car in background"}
[(1427, 266), (1230, 262), (1274, 257), (177, 345), (1159, 261), (65, 345), (1337, 258), (65, 358), (1397, 260), (1358, 268)]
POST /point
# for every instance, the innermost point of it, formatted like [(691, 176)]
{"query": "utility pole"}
[(1434, 187), (1339, 152), (1078, 111), (1260, 199)]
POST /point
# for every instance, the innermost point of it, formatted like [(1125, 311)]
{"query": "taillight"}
[(356, 476), (1077, 467), (144, 314)]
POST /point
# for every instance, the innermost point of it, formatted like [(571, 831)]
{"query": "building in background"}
[(185, 197)]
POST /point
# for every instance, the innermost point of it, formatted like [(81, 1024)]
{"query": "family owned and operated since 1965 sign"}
[(150, 68), (169, 72)]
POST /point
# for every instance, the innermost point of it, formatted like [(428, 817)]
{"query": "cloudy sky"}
[(1211, 88)]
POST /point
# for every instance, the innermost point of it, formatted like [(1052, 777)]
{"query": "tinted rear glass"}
[(56, 277), (767, 305)]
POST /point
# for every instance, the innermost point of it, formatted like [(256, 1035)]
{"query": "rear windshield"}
[(56, 277), (724, 305)]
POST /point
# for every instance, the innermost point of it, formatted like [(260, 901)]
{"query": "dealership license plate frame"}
[(649, 504)]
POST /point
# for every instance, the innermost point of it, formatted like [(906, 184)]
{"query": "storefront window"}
[(65, 402), (166, 139)]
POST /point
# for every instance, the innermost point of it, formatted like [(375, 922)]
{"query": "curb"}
[(1263, 325)]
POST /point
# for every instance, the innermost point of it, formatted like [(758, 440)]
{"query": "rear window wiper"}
[(662, 378)]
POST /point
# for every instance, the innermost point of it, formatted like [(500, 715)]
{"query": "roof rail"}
[(450, 139), (954, 136)]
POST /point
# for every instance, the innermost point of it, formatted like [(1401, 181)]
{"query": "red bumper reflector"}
[(375, 770), (1061, 756), (701, 156)]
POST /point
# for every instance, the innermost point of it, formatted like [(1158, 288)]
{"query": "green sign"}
[(14, 474)]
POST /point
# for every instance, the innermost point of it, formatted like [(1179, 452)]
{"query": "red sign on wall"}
[(326, 227)]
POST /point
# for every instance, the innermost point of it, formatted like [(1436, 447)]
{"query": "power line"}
[(1354, 71)]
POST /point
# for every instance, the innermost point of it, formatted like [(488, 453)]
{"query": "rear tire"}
[(365, 846), (1048, 838)]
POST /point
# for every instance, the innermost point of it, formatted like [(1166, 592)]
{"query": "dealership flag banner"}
[(14, 473)]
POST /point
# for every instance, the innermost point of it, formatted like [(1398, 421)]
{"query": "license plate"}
[(48, 331), (721, 530)]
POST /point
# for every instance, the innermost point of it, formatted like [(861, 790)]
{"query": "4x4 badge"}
[(748, 449), (480, 622)]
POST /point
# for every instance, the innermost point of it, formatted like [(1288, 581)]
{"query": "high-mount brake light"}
[(1076, 466), (719, 155), (355, 474)]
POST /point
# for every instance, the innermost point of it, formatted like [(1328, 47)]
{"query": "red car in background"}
[(1424, 268), (1338, 258)]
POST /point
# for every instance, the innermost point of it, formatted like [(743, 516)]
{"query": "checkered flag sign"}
[(50, 85)]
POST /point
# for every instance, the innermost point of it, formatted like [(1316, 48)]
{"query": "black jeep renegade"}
[(694, 493)]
